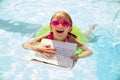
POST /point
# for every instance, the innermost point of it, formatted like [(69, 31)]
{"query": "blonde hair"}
[(62, 14)]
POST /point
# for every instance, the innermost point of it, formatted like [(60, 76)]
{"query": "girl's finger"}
[(49, 54), (47, 46), (46, 55), (52, 49)]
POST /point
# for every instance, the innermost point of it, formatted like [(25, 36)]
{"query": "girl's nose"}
[(60, 25)]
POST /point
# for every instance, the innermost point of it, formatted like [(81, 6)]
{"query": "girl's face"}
[(60, 27)]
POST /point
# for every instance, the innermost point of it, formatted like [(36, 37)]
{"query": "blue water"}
[(20, 19)]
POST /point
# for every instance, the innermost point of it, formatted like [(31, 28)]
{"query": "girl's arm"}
[(85, 49), (29, 44), (86, 52), (47, 51)]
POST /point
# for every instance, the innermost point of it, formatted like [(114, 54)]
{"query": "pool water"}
[(20, 19)]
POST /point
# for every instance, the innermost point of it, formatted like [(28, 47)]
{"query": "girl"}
[(60, 28)]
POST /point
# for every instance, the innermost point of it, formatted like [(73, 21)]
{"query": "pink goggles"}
[(58, 22)]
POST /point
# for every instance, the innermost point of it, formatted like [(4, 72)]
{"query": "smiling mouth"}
[(59, 31)]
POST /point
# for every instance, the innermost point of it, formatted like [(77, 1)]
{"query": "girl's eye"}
[(55, 23), (65, 23)]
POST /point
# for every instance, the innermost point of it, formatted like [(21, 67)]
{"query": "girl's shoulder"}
[(41, 37), (72, 38), (44, 35)]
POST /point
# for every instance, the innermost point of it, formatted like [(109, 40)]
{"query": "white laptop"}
[(64, 50)]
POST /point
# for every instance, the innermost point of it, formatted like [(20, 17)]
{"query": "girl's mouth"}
[(59, 31)]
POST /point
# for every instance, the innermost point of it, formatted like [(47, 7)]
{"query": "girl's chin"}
[(60, 36)]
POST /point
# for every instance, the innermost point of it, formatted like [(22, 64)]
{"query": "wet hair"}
[(64, 15)]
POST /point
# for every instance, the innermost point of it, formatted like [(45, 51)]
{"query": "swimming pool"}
[(20, 19)]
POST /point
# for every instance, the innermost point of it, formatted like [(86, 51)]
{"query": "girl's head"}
[(60, 25), (62, 15)]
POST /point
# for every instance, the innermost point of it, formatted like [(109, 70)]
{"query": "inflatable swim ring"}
[(75, 30)]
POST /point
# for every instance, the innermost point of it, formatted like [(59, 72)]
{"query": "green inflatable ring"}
[(75, 30)]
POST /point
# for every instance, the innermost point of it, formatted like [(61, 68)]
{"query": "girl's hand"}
[(75, 58), (47, 51)]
